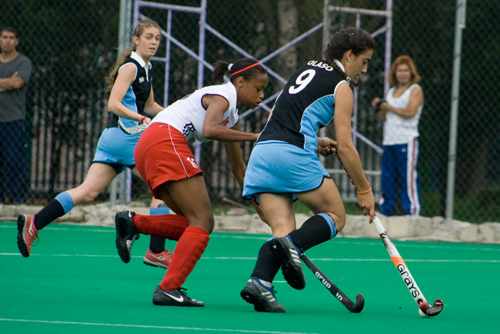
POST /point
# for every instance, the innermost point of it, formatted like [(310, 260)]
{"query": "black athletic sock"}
[(157, 244), (314, 231), (267, 263), (48, 214)]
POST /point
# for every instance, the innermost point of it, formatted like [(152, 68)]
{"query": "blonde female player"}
[(284, 164), (166, 162), (132, 102)]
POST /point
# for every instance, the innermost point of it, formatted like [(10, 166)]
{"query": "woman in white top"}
[(400, 111), (165, 161)]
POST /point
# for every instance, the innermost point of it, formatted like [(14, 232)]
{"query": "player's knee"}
[(80, 197), (207, 222), (339, 220), (210, 224), (282, 228)]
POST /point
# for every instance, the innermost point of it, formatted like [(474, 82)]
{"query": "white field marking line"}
[(145, 326), (52, 228), (399, 243), (234, 258), (111, 229)]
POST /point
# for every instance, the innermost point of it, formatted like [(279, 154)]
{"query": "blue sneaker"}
[(291, 267), (261, 296)]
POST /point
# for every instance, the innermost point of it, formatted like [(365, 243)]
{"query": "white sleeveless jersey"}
[(187, 114), (397, 129)]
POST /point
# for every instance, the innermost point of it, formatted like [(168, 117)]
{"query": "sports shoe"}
[(27, 233), (291, 268), (262, 297), (126, 234), (161, 260), (175, 297)]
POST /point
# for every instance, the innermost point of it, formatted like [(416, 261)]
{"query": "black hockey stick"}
[(334, 290)]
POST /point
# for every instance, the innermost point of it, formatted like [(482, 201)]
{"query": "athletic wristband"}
[(364, 192), (379, 103), (142, 119)]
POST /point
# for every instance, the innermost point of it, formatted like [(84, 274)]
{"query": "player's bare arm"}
[(125, 77), (151, 107), (213, 128)]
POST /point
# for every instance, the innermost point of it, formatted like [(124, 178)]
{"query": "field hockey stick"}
[(425, 310), (334, 290), (133, 129)]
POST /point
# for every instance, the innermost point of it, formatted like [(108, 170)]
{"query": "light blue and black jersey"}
[(137, 94), (115, 147), (306, 104), (284, 159)]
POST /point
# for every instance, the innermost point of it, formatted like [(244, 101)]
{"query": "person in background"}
[(166, 162), (401, 110), (131, 102), (15, 72), (284, 164)]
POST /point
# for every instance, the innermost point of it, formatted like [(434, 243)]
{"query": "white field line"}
[(349, 241), (237, 258), (147, 327)]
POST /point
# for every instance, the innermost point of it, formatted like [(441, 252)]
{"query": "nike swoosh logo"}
[(179, 299)]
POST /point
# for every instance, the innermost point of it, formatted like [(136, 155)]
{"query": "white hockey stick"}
[(425, 310), (133, 129)]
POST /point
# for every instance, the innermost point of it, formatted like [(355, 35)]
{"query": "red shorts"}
[(162, 154)]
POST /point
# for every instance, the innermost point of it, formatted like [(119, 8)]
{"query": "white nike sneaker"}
[(175, 297)]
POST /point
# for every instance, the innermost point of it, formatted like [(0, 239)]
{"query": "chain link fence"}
[(73, 45)]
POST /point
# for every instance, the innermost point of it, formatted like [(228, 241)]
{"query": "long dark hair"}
[(245, 67), (347, 39), (137, 31)]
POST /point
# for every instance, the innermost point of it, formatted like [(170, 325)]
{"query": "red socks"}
[(166, 226), (188, 251)]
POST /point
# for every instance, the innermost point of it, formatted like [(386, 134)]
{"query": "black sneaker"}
[(175, 297), (291, 267), (126, 234), (262, 297)]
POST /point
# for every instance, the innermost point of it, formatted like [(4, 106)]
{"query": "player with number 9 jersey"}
[(306, 104), (284, 165)]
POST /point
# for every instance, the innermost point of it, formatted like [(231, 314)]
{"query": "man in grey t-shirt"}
[(15, 72)]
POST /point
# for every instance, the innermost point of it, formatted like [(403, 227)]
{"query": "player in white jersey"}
[(165, 161), (188, 115), (401, 110), (284, 164)]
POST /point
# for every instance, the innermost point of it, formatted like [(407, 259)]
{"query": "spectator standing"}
[(400, 111), (15, 72)]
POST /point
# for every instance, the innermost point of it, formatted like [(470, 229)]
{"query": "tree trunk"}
[(288, 30)]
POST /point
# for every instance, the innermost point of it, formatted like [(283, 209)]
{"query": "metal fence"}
[(73, 45)]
